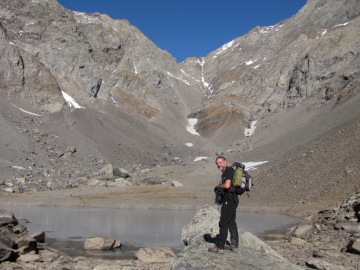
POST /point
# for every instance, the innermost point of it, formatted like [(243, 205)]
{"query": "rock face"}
[(308, 58), (253, 253)]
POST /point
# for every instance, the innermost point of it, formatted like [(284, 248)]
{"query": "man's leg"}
[(225, 218), (234, 234)]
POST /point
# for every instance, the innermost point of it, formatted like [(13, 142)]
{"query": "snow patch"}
[(18, 168), (113, 100), (268, 29), (190, 127), (71, 102), (248, 63), (200, 158), (206, 85), (178, 78), (189, 144), (25, 111), (343, 24), (227, 45), (249, 166), (250, 131)]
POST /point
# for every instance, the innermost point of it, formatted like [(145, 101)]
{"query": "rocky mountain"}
[(310, 58), (294, 82)]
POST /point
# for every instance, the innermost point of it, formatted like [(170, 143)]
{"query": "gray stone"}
[(99, 243), (106, 170), (19, 229), (322, 265), (4, 214), (355, 246), (48, 255), (50, 184), (196, 256), (158, 254), (151, 181), (118, 182), (27, 258), (204, 223), (351, 227), (253, 253), (297, 241), (9, 190), (39, 236), (176, 184), (96, 182), (304, 231), (120, 172), (26, 242)]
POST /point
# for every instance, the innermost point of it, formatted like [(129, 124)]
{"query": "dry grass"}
[(156, 192)]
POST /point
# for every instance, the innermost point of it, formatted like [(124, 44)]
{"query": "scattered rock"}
[(176, 184), (304, 231), (155, 255), (354, 247), (106, 170), (99, 243), (321, 265), (121, 173)]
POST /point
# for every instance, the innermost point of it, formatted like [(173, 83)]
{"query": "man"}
[(228, 210)]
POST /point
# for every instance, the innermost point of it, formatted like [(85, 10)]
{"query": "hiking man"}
[(228, 210)]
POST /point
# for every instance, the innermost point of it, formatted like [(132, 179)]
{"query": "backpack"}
[(241, 181)]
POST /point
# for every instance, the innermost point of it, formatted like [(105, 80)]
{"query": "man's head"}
[(221, 163)]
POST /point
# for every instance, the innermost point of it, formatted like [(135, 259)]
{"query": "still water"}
[(67, 228)]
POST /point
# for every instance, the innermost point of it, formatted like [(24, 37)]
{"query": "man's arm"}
[(226, 185)]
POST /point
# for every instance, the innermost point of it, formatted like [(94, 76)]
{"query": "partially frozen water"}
[(67, 228)]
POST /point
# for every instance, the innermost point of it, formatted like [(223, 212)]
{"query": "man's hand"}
[(216, 188)]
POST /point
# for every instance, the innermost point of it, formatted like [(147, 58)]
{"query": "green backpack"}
[(241, 181)]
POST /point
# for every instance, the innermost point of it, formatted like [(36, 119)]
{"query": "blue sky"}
[(192, 28)]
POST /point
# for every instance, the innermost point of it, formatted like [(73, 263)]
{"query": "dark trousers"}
[(228, 223)]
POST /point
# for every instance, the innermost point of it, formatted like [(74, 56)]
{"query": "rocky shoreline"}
[(329, 239)]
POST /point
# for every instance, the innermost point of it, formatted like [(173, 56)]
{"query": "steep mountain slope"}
[(310, 58), (134, 101)]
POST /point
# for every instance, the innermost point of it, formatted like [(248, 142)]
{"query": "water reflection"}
[(67, 228)]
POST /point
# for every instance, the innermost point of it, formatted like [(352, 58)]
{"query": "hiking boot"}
[(232, 248), (215, 249)]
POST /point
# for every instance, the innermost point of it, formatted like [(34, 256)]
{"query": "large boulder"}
[(100, 243), (204, 225), (253, 253)]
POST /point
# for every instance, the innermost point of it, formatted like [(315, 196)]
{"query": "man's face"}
[(221, 164)]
